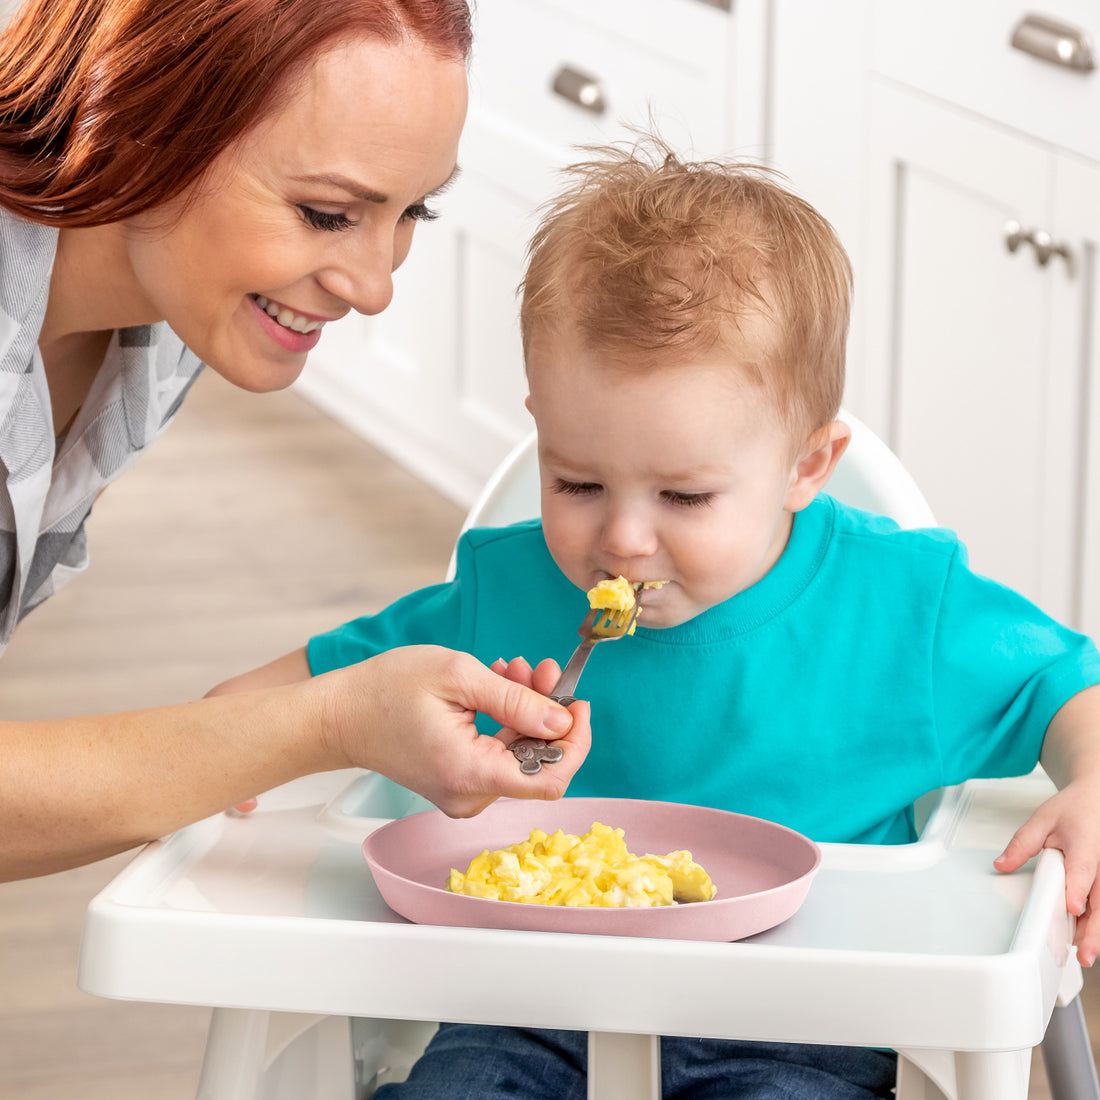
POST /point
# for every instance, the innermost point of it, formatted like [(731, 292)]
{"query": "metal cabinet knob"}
[(1051, 40), (1014, 235), (579, 88), (1042, 244)]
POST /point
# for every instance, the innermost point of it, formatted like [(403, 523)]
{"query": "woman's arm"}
[(76, 790)]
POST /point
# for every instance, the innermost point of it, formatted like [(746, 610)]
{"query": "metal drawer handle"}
[(581, 89), (1058, 43), (1042, 244)]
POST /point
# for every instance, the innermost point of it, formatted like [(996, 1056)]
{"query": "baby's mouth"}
[(286, 317)]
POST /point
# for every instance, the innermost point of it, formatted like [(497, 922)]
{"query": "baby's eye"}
[(418, 212), (575, 488), (322, 219), (687, 500)]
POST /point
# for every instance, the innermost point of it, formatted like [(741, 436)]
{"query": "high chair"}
[(320, 991)]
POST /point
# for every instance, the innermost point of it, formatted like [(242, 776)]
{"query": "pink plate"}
[(762, 870)]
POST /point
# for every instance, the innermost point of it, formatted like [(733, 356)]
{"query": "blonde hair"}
[(645, 253)]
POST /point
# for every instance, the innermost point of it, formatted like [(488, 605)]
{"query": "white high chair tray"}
[(921, 946)]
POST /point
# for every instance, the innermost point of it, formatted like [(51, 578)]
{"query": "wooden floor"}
[(253, 523)]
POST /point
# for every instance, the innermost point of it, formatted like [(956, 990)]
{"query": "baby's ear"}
[(815, 463)]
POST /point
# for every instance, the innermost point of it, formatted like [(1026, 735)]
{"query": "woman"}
[(212, 181)]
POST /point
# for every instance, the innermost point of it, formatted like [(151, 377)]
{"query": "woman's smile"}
[(293, 331)]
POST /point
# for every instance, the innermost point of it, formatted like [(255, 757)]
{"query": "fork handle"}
[(571, 674)]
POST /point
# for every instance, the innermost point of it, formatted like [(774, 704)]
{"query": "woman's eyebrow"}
[(361, 191)]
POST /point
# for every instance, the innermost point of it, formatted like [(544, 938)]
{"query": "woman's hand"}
[(409, 714)]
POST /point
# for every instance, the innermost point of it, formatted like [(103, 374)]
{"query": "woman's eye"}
[(687, 500), (322, 219), (575, 488), (418, 212)]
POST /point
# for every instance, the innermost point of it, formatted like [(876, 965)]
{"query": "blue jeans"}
[(475, 1062)]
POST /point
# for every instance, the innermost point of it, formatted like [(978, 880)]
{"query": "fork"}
[(601, 624)]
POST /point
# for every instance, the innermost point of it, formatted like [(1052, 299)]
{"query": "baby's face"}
[(677, 474)]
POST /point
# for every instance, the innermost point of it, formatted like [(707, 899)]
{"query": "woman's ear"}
[(815, 463)]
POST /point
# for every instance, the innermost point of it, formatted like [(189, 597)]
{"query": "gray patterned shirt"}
[(48, 486)]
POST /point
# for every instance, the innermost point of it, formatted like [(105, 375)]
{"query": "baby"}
[(684, 328)]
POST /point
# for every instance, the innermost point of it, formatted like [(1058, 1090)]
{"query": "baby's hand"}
[(1070, 821)]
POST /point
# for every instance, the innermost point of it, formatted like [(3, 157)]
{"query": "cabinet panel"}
[(966, 382), (634, 74), (961, 52), (490, 381), (1076, 335)]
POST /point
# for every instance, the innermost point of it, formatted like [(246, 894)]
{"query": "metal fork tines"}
[(601, 624)]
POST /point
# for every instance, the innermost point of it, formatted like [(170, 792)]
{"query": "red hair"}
[(111, 107)]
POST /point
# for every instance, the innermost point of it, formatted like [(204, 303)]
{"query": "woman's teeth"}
[(286, 317)]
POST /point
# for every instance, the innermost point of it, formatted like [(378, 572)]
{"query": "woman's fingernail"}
[(559, 720)]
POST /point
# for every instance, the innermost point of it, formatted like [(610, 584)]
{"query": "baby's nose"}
[(627, 533)]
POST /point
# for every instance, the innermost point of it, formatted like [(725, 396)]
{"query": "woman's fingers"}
[(409, 713)]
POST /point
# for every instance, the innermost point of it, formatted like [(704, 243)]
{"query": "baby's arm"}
[(1071, 819), (283, 670)]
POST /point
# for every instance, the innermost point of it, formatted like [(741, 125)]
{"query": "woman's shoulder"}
[(27, 252)]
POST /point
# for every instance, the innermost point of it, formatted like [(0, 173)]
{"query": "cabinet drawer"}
[(961, 52), (524, 46)]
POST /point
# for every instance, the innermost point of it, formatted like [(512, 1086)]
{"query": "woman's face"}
[(307, 216)]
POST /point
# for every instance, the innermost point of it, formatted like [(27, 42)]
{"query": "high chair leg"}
[(1067, 1055), (254, 1055), (992, 1075), (925, 1075), (234, 1059), (623, 1067)]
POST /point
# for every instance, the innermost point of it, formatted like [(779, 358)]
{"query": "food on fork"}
[(616, 595), (619, 594), (594, 869)]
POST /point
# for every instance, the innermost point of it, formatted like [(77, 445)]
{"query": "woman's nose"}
[(363, 277)]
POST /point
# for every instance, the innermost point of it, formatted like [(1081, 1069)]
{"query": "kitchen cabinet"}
[(981, 345), (969, 191), (437, 380)]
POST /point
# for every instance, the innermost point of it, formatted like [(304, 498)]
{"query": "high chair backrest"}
[(868, 476)]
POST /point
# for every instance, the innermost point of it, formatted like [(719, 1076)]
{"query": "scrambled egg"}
[(594, 869), (618, 595)]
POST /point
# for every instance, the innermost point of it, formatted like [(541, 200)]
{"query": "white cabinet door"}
[(963, 376), (1076, 334)]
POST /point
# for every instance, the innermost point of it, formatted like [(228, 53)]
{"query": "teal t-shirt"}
[(869, 666)]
